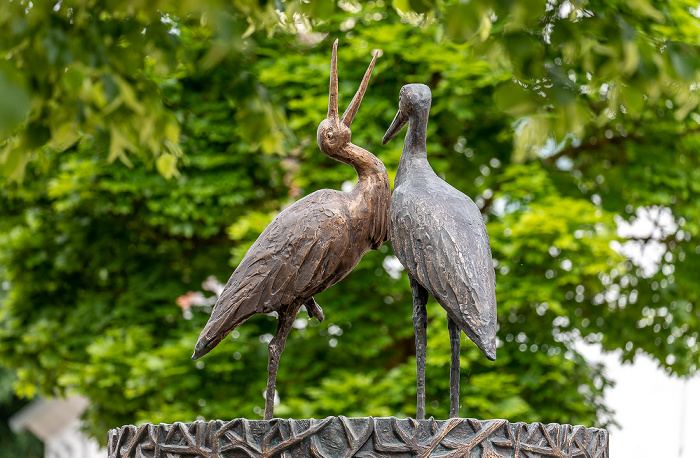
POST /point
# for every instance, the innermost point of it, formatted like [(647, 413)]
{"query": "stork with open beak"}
[(309, 246), (439, 236)]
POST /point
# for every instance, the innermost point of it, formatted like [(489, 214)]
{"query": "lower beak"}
[(400, 120)]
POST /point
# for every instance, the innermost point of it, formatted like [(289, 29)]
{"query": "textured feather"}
[(439, 236), (284, 267)]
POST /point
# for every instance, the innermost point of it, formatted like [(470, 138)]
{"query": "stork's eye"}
[(329, 134)]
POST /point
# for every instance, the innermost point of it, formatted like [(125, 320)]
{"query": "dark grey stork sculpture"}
[(309, 246), (440, 238)]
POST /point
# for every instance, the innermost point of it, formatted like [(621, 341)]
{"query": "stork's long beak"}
[(351, 111), (333, 97), (400, 120)]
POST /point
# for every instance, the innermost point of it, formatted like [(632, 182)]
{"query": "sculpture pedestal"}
[(363, 437)]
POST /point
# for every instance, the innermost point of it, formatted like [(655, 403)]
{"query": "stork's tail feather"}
[(217, 329), (480, 328)]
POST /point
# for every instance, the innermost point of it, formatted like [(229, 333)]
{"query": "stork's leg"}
[(454, 367), (286, 319), (420, 325)]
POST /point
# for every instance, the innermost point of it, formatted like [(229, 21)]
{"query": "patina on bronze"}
[(439, 236), (309, 246)]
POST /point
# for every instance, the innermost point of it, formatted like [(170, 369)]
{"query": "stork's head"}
[(414, 100), (333, 134)]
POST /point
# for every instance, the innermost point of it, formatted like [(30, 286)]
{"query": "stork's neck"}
[(371, 197), (366, 164), (414, 155)]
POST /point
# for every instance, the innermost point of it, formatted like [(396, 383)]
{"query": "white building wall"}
[(57, 423)]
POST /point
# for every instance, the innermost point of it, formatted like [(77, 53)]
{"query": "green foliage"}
[(562, 121)]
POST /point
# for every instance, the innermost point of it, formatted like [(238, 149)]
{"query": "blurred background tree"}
[(145, 145), (23, 444)]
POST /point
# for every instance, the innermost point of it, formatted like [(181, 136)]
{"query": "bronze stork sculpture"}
[(440, 238), (310, 245)]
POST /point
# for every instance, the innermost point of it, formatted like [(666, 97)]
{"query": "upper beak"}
[(351, 111), (400, 120)]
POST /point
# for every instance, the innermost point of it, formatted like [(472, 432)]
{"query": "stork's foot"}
[(314, 309)]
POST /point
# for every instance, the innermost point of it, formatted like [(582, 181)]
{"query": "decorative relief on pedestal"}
[(361, 437)]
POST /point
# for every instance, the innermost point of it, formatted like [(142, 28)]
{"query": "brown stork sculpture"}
[(309, 246)]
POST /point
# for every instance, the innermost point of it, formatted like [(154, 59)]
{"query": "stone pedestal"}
[(362, 437)]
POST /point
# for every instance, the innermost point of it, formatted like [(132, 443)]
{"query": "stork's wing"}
[(298, 255), (440, 238)]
